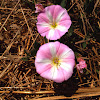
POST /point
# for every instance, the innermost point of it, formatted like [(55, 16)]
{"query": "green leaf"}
[(70, 31), (84, 45), (76, 54), (25, 58), (35, 49), (63, 3), (87, 73), (33, 1), (46, 40), (27, 53), (36, 45), (97, 71), (33, 52)]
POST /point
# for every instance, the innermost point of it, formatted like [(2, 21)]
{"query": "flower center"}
[(54, 25), (56, 61)]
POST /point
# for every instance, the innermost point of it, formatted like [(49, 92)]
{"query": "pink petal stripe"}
[(49, 12), (68, 64), (44, 52), (53, 34), (42, 30), (52, 49), (63, 48), (57, 45), (53, 74), (58, 11), (65, 16), (67, 74), (47, 74), (65, 23), (59, 14), (61, 33), (54, 46), (42, 18), (50, 34), (67, 55), (40, 68), (60, 76), (55, 11)]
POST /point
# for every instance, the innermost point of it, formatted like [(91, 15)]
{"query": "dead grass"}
[(19, 42)]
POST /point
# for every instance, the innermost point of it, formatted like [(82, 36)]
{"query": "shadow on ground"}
[(67, 88)]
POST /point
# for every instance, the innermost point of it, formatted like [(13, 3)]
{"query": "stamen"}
[(56, 61), (54, 25)]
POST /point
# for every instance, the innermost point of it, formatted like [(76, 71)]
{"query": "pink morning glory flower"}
[(82, 64), (54, 22), (55, 61), (39, 8)]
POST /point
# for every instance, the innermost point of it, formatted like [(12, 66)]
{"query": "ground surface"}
[(19, 42)]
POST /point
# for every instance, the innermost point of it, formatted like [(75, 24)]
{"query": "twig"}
[(22, 78), (34, 2), (89, 82), (80, 8), (25, 19), (34, 41), (74, 96), (83, 23), (7, 49), (79, 33), (91, 74), (95, 5), (12, 9), (29, 92), (79, 76), (9, 15), (71, 6), (3, 72), (81, 41), (90, 63)]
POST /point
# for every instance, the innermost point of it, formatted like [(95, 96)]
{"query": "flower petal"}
[(64, 16), (42, 67), (54, 74), (83, 64), (61, 14), (43, 53), (58, 75), (53, 14), (49, 12), (50, 73), (50, 34), (67, 55), (47, 74), (68, 66), (47, 69), (39, 8), (43, 30), (56, 11), (67, 74), (65, 52), (42, 18), (53, 34), (64, 25), (61, 28), (52, 49)]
